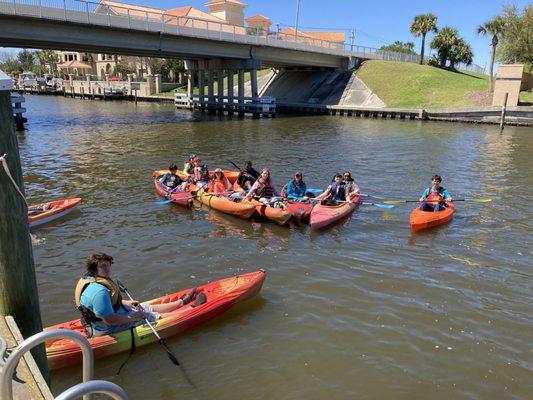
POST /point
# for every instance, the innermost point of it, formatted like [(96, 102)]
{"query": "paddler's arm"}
[(446, 195), (424, 195), (115, 319), (252, 191)]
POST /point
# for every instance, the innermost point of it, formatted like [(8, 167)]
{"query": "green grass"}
[(260, 73), (526, 97), (407, 85)]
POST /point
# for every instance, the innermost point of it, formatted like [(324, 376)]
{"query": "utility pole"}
[(18, 286), (277, 32), (297, 19), (352, 39)]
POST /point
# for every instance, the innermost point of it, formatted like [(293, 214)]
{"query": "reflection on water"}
[(365, 309)]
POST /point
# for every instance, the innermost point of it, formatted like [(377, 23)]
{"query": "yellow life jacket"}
[(114, 291)]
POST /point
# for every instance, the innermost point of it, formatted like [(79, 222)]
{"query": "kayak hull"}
[(420, 220), (57, 209), (239, 209), (231, 175), (323, 216), (221, 296), (278, 215), (182, 198), (300, 212)]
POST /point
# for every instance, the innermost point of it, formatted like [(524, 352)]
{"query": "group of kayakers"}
[(257, 185), (98, 297)]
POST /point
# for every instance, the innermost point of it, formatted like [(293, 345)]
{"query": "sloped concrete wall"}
[(328, 87)]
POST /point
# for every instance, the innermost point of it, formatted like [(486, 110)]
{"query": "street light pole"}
[(297, 18)]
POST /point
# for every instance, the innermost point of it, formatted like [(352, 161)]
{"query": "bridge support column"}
[(158, 86), (201, 93), (210, 91), (240, 92), (253, 81), (230, 91), (220, 91), (190, 86)]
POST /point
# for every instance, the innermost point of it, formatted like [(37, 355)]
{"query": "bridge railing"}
[(154, 20)]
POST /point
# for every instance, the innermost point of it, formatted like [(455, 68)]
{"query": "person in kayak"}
[(434, 197), (296, 189), (263, 188), (219, 183), (336, 191), (200, 173), (104, 311), (351, 186), (171, 181), (189, 164), (247, 176)]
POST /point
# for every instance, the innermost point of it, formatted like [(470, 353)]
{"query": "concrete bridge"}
[(213, 50)]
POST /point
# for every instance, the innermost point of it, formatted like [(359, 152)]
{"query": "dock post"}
[(18, 286), (201, 91), (504, 111)]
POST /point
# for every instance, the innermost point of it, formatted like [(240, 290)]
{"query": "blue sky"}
[(376, 22)]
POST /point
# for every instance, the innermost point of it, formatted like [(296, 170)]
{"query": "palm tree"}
[(461, 52), (443, 41), (421, 25), (493, 27)]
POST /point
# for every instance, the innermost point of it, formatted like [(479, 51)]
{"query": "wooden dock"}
[(28, 383), (18, 110)]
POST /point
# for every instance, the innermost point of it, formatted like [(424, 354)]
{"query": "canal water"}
[(363, 310)]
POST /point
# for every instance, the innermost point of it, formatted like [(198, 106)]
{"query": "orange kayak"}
[(221, 296), (279, 215), (324, 215), (420, 220), (219, 202), (41, 214), (178, 197)]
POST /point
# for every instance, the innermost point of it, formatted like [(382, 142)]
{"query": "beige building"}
[(511, 79), (259, 24)]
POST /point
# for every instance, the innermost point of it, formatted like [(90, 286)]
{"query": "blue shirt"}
[(443, 192), (97, 298), (296, 191), (171, 181)]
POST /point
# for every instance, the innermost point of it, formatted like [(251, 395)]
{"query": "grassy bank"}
[(406, 85), (260, 73)]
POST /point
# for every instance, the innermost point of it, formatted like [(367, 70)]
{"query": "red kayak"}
[(420, 220), (221, 296), (183, 198), (325, 215), (300, 212)]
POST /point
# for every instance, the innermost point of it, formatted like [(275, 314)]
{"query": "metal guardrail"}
[(88, 386)]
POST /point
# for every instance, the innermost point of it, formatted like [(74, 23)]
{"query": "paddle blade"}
[(162, 202), (315, 191), (480, 200), (379, 205)]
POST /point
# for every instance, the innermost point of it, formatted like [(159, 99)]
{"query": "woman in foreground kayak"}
[(104, 311), (434, 197)]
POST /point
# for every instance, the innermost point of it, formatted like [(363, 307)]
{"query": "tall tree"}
[(26, 59), (460, 52), (47, 58), (516, 44), (421, 25), (400, 47), (443, 41), (493, 27)]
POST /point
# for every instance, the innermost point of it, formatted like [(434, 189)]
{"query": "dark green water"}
[(364, 310)]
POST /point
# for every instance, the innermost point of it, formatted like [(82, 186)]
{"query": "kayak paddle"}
[(162, 202), (160, 340), (486, 200), (316, 191), (365, 203)]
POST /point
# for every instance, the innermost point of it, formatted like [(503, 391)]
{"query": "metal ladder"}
[(84, 389)]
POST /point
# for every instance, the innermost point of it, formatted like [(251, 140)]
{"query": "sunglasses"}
[(298, 175)]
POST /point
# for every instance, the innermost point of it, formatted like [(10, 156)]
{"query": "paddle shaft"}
[(161, 341), (236, 166), (436, 201)]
